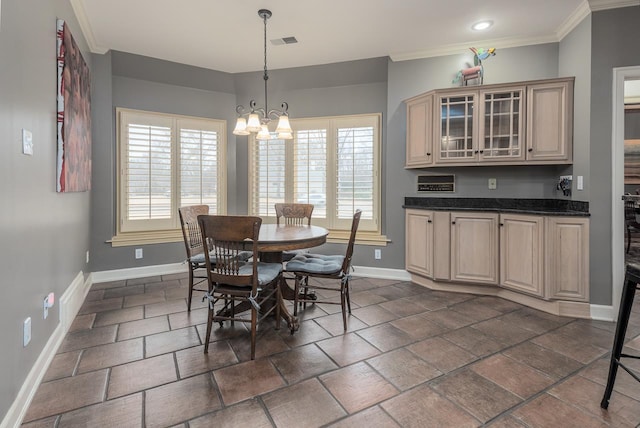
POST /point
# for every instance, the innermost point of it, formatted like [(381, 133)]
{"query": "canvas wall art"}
[(74, 115)]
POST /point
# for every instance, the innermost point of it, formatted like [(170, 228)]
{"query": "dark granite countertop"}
[(553, 207)]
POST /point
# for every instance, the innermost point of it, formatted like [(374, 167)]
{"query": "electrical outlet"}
[(493, 183), (27, 142), (377, 254), (48, 303), (580, 185), (26, 332), (138, 253)]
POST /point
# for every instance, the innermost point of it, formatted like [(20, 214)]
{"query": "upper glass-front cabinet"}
[(501, 126), (519, 123), (458, 128)]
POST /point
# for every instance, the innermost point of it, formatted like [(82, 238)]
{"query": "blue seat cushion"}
[(267, 272), (315, 263)]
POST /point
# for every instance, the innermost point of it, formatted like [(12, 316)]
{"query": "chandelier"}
[(256, 120)]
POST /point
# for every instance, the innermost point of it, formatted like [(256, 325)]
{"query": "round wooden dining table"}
[(274, 239)]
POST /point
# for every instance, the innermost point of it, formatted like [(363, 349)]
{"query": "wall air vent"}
[(436, 183), (284, 41)]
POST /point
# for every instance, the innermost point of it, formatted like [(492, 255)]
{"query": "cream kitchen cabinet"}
[(428, 243), (474, 247), (507, 124), (522, 253), (567, 258), (535, 259), (419, 131), (419, 242), (550, 122)]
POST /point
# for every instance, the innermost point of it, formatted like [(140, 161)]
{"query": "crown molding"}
[(596, 5), (573, 20), (463, 47), (85, 26)]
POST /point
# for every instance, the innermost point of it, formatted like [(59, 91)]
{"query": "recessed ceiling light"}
[(482, 25)]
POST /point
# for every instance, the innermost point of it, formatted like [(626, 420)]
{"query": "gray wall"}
[(44, 234), (614, 43), (137, 82)]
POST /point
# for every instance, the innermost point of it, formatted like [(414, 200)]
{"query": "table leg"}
[(285, 289)]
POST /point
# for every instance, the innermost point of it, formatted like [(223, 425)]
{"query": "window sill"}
[(362, 238), (126, 239)]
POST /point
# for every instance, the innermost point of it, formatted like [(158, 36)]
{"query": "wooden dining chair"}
[(234, 282), (306, 266), (293, 214), (631, 224), (193, 244)]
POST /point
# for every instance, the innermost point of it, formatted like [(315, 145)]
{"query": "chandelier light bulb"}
[(241, 127), (264, 133), (253, 124)]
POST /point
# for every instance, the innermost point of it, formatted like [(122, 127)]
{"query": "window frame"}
[(369, 231), (164, 230)]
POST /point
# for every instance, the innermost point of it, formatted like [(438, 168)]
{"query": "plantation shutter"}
[(332, 163), (356, 168), (310, 170), (146, 172), (268, 176), (167, 162), (200, 143)]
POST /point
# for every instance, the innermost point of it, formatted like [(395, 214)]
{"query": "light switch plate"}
[(493, 183), (26, 332), (27, 142)]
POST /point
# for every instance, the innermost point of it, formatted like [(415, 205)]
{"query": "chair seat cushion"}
[(315, 263), (288, 255), (267, 272)]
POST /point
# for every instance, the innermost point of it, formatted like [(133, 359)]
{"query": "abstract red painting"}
[(73, 172)]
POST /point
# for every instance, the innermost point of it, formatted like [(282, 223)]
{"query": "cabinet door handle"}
[(530, 149), (429, 221), (501, 224), (481, 151), (476, 152), (453, 222), (428, 154)]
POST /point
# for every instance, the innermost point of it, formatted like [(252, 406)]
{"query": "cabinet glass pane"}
[(456, 127), (501, 124)]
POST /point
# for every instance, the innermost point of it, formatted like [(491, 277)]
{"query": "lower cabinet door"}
[(419, 242), (567, 258), (522, 253), (474, 247)]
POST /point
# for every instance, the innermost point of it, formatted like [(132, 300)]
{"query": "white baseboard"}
[(70, 303), (381, 273), (72, 299), (603, 313), (138, 272)]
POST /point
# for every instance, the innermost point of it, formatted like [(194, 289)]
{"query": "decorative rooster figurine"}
[(477, 71)]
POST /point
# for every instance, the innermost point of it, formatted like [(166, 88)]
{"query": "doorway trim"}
[(620, 74)]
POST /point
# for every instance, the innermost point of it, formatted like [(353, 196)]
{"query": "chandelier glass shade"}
[(256, 120)]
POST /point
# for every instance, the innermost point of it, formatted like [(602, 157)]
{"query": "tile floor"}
[(412, 358)]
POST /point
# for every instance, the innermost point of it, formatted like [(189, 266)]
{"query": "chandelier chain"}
[(266, 75)]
